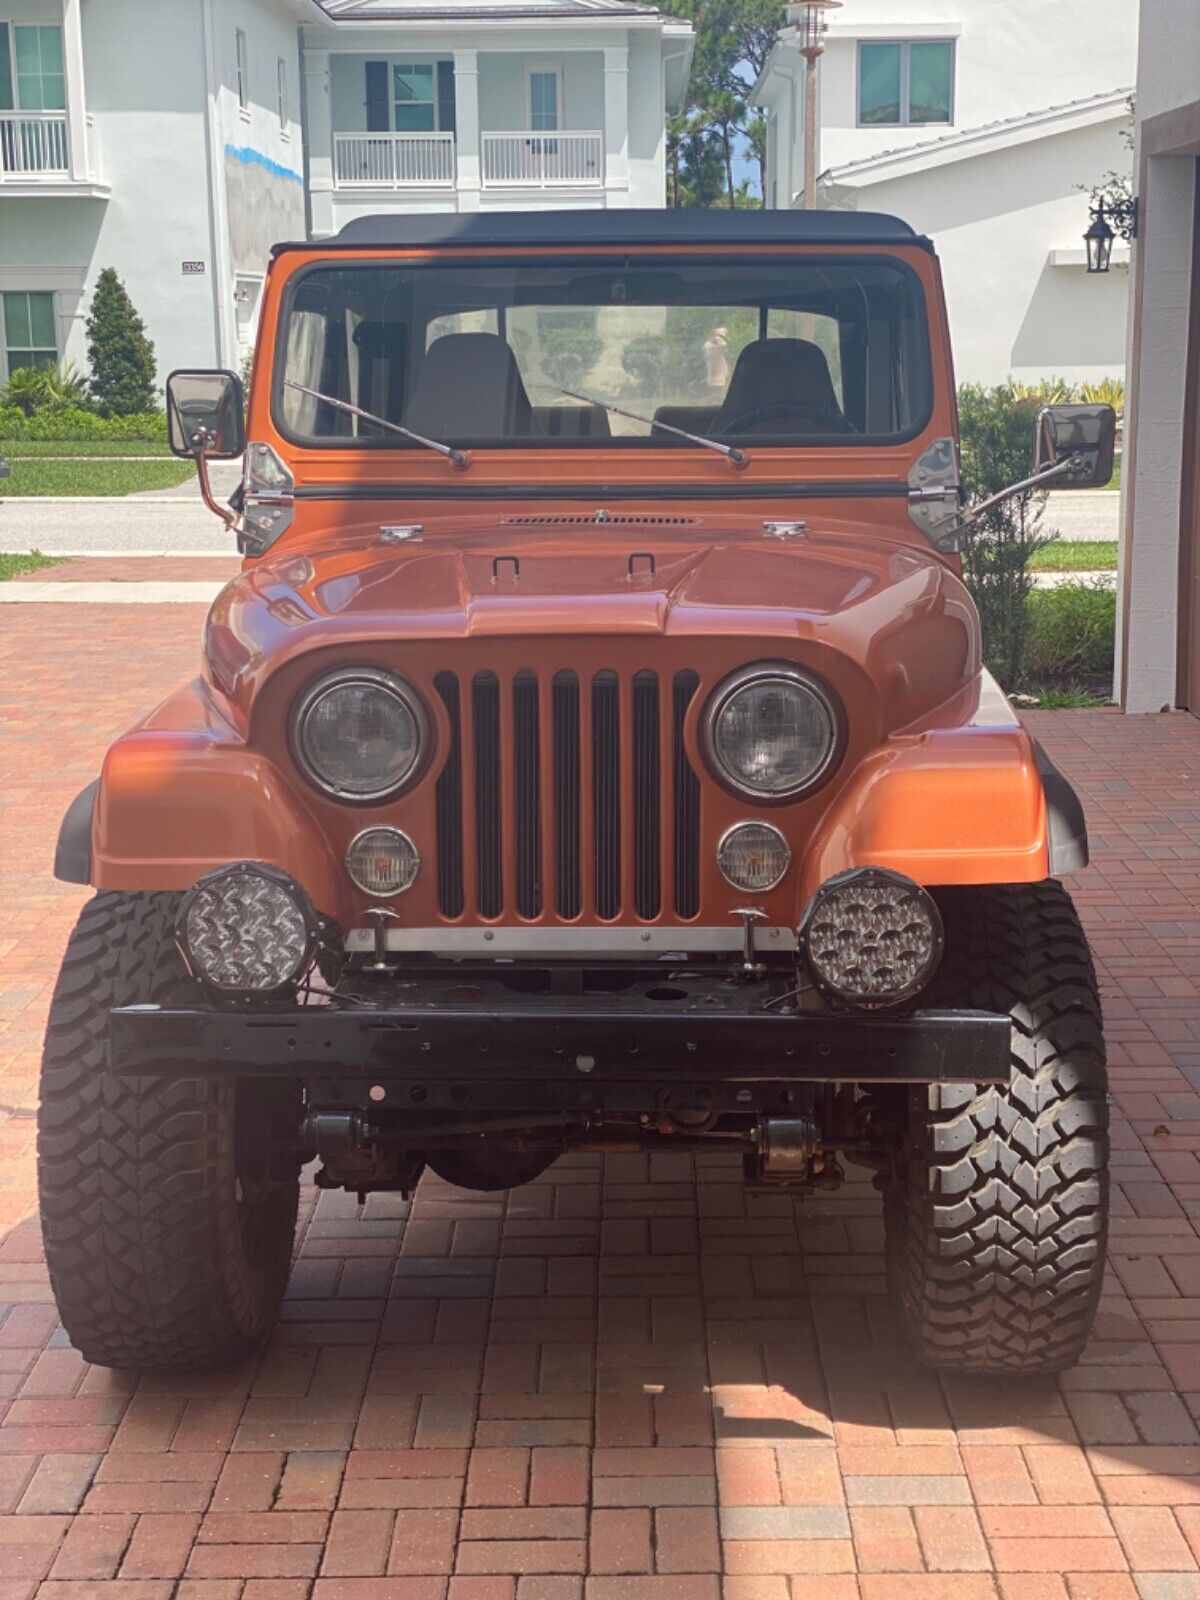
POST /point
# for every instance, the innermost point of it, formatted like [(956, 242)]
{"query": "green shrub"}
[(119, 353), (1072, 632), (52, 388), (83, 426), (665, 364), (570, 346), (997, 448), (12, 422)]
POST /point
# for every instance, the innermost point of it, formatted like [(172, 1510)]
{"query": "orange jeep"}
[(594, 753)]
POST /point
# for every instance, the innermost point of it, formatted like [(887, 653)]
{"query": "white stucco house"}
[(979, 122), (177, 140)]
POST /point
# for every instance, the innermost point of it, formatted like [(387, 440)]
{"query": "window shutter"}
[(445, 96), (379, 117)]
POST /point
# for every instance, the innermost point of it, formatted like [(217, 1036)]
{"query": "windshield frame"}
[(598, 258)]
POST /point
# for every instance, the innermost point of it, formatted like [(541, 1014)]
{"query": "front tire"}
[(997, 1213), (168, 1235)]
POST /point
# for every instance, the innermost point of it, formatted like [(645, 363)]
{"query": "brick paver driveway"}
[(626, 1370)]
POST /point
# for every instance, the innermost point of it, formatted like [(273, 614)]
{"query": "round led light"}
[(873, 937), (382, 861), (770, 731), (246, 927), (360, 734), (753, 856)]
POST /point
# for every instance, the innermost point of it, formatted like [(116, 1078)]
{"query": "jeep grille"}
[(577, 792)]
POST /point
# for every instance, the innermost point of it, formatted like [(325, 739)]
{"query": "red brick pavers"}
[(626, 1381)]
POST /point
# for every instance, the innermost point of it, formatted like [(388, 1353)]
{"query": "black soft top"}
[(538, 229)]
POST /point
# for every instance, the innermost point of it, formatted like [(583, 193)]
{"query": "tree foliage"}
[(733, 41), (120, 355)]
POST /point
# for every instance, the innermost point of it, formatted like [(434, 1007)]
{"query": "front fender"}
[(977, 801), (183, 793)]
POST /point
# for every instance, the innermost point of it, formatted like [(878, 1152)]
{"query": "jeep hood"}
[(873, 600)]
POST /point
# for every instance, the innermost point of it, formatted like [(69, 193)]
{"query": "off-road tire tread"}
[(138, 1205), (998, 1223)]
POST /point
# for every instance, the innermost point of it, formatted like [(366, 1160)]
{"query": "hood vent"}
[(590, 519)]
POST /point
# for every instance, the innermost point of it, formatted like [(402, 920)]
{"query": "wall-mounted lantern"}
[(1111, 218)]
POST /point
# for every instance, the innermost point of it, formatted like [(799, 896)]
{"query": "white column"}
[(79, 165), (616, 125), (318, 106), (466, 126)]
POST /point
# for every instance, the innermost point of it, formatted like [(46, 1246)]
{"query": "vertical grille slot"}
[(449, 805), (568, 887), (526, 804), (647, 892), (485, 708), (606, 791), (687, 802)]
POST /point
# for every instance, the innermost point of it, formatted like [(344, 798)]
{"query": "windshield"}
[(793, 351)]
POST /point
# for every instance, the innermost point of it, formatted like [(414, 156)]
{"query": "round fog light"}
[(753, 856), (873, 937), (382, 861), (247, 927)]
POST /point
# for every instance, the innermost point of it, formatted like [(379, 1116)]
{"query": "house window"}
[(243, 71), (27, 319), (413, 99), (545, 99), (281, 93), (905, 83), (31, 63)]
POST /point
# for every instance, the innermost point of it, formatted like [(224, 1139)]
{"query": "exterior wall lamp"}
[(1100, 235)]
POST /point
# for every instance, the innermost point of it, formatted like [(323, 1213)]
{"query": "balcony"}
[(42, 155), (393, 160), (529, 160), (34, 144)]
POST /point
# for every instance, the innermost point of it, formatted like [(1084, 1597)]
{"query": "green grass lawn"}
[(1084, 555), (14, 566), (37, 449), (41, 477)]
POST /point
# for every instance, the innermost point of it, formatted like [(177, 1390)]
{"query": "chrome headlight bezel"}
[(387, 682), (231, 874), (750, 676), (873, 878)]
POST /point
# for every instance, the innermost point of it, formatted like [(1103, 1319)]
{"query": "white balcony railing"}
[(529, 160), (393, 160), (33, 144)]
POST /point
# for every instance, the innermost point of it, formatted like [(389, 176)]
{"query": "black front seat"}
[(469, 387), (781, 376)]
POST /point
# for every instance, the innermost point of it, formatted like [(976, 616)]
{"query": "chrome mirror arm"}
[(200, 441), (1068, 464)]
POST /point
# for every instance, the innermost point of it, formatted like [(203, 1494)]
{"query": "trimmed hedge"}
[(1072, 633), (72, 425)]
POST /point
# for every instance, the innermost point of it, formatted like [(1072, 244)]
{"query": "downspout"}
[(218, 220), (302, 88)]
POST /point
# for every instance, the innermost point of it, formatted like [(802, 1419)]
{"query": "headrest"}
[(782, 372), (469, 387)]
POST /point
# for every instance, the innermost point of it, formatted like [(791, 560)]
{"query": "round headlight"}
[(382, 861), (770, 731), (873, 937), (246, 927), (753, 856), (360, 734)]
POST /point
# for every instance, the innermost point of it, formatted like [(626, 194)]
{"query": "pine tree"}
[(120, 355)]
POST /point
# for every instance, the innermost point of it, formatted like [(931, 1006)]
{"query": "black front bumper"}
[(455, 1043)]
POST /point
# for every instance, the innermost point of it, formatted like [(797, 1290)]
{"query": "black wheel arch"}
[(73, 852)]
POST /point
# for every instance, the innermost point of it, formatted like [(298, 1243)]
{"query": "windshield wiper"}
[(732, 454), (460, 458)]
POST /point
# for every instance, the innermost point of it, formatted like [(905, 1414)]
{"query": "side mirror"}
[(205, 415), (1079, 441)]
